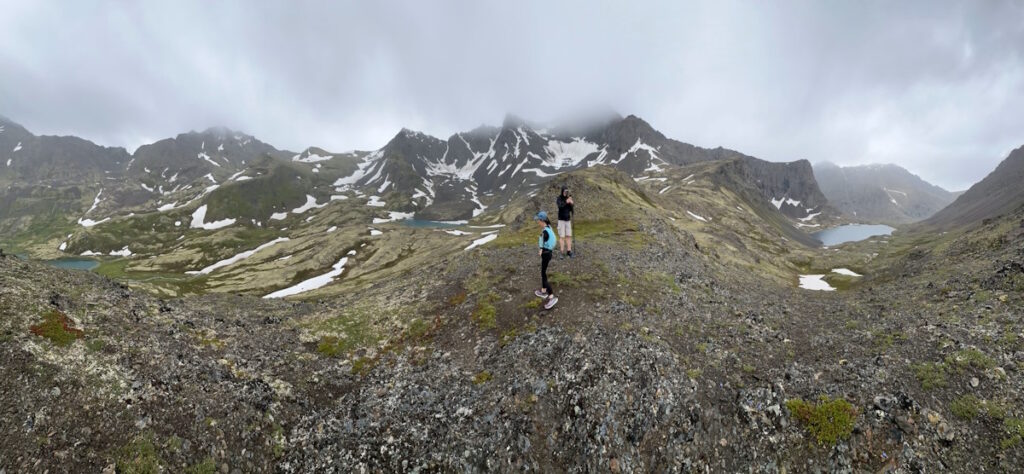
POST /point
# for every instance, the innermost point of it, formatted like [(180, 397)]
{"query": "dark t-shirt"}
[(564, 209)]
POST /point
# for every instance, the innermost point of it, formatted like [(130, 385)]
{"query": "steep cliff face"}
[(790, 187)]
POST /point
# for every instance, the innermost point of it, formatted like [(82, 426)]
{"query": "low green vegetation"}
[(95, 344), (206, 466), (485, 314), (57, 328), (139, 457), (830, 420), (482, 377), (1014, 428), (363, 365), (342, 334), (969, 358), (457, 298), (931, 375), (967, 407)]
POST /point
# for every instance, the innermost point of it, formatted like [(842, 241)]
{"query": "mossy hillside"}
[(282, 189), (35, 221), (154, 232)]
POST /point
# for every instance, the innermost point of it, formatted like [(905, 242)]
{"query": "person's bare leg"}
[(561, 244), (568, 242)]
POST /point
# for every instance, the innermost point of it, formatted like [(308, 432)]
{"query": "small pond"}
[(74, 263), (851, 233)]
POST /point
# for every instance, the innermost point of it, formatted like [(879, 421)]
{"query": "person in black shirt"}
[(565, 211)]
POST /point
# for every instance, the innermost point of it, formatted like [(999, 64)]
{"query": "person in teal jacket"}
[(546, 243)]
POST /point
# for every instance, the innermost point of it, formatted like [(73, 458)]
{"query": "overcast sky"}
[(935, 86)]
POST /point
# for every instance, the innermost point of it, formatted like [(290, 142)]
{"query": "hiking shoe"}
[(570, 254), (540, 294), (551, 302)]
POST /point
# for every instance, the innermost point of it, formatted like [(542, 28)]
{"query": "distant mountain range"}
[(880, 193), (451, 179)]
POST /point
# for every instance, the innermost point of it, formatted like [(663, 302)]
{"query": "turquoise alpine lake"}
[(74, 263), (851, 233)]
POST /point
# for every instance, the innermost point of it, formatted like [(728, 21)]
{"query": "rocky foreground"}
[(658, 358)]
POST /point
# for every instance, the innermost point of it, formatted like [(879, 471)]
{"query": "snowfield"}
[(237, 258), (199, 217), (483, 240), (312, 283), (562, 154), (311, 157), (310, 204), (695, 216), (846, 271), (392, 217), (815, 282), (90, 222)]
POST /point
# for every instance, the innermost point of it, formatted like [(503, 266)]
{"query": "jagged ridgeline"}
[(374, 311)]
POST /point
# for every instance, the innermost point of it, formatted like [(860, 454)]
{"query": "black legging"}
[(545, 258)]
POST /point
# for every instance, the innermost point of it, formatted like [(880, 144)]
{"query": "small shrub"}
[(95, 345), (970, 358), (534, 303), (966, 407), (485, 314), (694, 373), (138, 457), (57, 328), (482, 377), (417, 328), (830, 420), (206, 466), (363, 365), (328, 346), (507, 337), (457, 298), (1015, 433), (931, 375)]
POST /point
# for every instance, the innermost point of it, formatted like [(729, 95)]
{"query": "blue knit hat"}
[(541, 216)]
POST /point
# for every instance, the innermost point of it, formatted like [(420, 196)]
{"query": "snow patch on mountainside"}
[(393, 216), (815, 282), (313, 283), (564, 154), (695, 216), (483, 240), (311, 157), (362, 168), (199, 217), (206, 157), (310, 204), (237, 258)]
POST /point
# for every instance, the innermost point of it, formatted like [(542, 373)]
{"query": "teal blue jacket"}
[(547, 239)]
